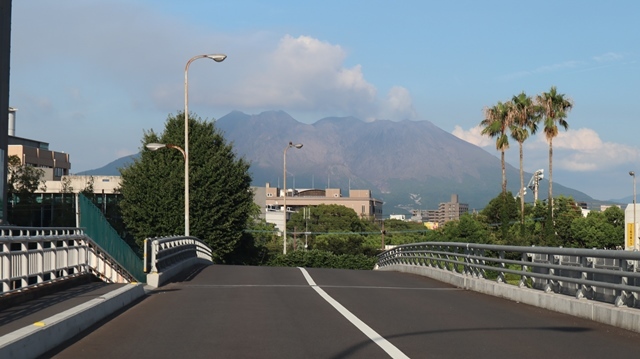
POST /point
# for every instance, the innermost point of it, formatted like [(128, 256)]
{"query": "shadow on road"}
[(350, 352)]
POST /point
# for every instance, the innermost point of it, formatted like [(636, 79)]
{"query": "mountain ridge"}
[(407, 164)]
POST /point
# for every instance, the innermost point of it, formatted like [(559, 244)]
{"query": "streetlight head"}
[(296, 145), (155, 146), (217, 57), (631, 173)]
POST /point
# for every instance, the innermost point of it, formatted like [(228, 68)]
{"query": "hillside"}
[(407, 164)]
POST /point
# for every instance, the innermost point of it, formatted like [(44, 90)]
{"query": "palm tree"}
[(524, 114), (496, 122), (553, 109)]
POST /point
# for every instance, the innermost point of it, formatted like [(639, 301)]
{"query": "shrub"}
[(323, 259)]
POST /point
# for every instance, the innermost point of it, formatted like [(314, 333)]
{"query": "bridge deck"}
[(265, 312)]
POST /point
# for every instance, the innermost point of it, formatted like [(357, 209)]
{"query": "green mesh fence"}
[(98, 228)]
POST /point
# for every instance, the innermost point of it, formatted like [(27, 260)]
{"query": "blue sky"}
[(89, 76)]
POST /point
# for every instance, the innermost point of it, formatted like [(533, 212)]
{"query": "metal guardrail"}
[(611, 276), (30, 257), (165, 252)]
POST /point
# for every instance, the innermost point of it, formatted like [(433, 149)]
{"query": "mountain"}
[(406, 164), (111, 168)]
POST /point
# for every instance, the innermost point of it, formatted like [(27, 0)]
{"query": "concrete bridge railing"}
[(602, 285), (167, 256)]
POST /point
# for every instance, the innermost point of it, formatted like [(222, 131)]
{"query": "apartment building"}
[(447, 211), (36, 153)]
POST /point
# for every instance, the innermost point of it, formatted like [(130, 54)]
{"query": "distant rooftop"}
[(13, 140)]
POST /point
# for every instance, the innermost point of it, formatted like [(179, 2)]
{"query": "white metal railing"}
[(611, 276), (31, 257), (165, 252)]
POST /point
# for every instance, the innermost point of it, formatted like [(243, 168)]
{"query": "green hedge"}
[(323, 259)]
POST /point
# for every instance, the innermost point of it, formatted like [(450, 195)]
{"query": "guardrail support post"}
[(501, 276)]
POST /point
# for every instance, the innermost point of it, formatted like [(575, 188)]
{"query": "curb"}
[(37, 339)]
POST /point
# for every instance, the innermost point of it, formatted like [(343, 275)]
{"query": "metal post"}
[(635, 235), (216, 58), (284, 198)]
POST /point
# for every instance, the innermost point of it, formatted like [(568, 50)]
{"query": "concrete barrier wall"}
[(159, 278), (37, 339), (622, 317)]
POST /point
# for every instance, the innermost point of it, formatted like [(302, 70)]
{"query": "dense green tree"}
[(258, 243), (566, 211), (466, 229), (22, 183), (614, 216), (343, 244), (23, 179), (326, 218), (344, 228), (401, 232), (501, 212), (219, 186), (595, 231)]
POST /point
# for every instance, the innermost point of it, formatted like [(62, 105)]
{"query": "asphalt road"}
[(266, 312)]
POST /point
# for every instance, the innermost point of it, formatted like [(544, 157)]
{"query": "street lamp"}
[(635, 235), (284, 201), (216, 58), (156, 146)]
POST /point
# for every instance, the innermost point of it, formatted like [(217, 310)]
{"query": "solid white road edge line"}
[(364, 328)]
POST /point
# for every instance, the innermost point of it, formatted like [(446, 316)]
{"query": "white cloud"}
[(583, 150), (541, 70), (398, 105), (583, 139), (608, 57), (306, 74), (580, 150), (473, 136)]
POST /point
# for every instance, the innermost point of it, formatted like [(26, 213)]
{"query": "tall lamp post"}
[(216, 58), (156, 146), (635, 235), (284, 200)]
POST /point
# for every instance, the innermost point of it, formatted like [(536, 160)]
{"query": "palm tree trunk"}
[(551, 175), (521, 190), (504, 175)]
